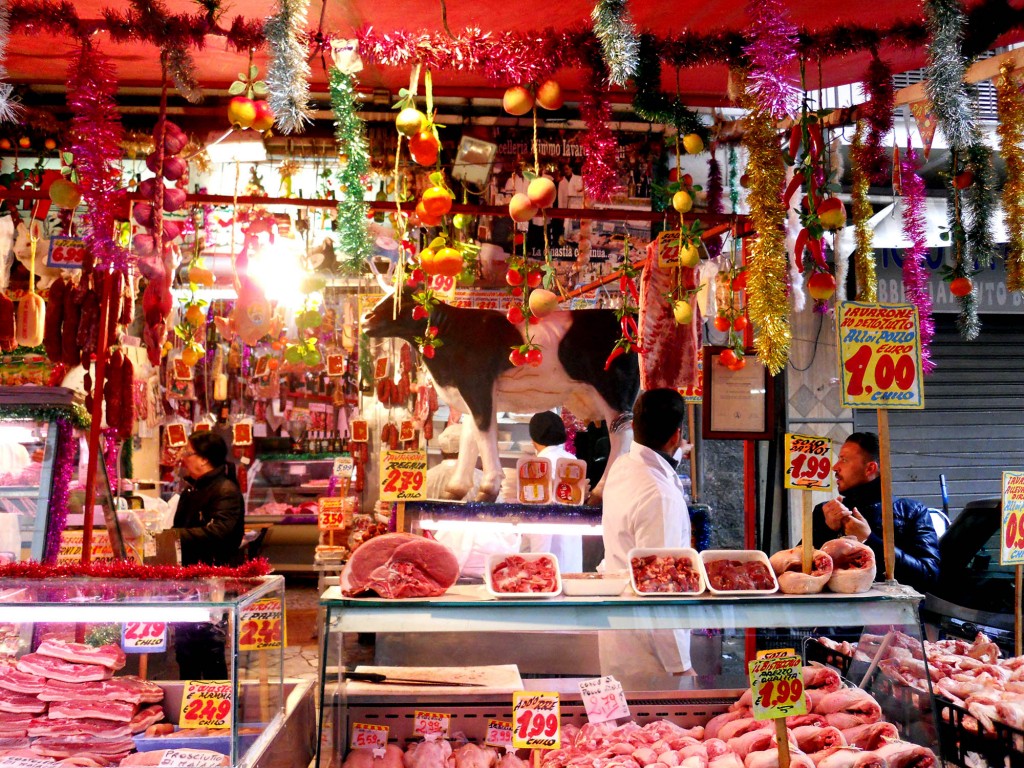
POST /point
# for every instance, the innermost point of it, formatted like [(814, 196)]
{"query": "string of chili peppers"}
[(629, 340)]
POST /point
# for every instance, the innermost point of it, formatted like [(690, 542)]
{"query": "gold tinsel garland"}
[(867, 277), (767, 302), (1010, 103)]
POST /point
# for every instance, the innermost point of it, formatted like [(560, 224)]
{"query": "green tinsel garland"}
[(74, 413), (617, 33), (353, 237), (980, 205), (653, 105), (734, 189), (947, 65), (967, 322)]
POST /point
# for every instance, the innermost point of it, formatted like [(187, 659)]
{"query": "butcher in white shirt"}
[(570, 194)]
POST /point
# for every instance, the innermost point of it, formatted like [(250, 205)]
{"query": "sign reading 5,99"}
[(879, 355)]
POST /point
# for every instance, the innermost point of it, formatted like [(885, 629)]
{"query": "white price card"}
[(369, 735), (190, 758), (603, 699), (499, 734), (343, 466), (431, 725), (143, 636)]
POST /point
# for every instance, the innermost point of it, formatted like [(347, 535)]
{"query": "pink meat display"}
[(110, 656), (65, 746), (146, 717), (13, 679), (45, 726), (788, 567), (853, 565), (127, 688), (357, 758), (770, 759), (398, 565), (120, 711), (428, 754), (665, 573), (729, 575), (902, 754), (848, 708), (812, 739), (516, 574), (673, 349), (57, 669)]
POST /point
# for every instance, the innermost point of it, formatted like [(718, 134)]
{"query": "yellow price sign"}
[(808, 462), (206, 704), (333, 514), (1011, 551), (777, 685), (261, 625), (431, 725), (369, 735), (499, 734), (879, 355), (536, 719), (403, 475)]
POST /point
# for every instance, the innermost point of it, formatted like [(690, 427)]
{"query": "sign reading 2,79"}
[(879, 355)]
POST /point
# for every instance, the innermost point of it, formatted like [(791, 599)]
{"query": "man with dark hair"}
[(858, 513), (644, 506)]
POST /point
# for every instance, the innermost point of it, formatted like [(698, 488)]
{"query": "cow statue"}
[(474, 375)]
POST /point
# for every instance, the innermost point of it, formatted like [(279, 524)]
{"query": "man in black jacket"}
[(858, 513)]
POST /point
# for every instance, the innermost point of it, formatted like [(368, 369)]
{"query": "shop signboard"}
[(808, 462), (1011, 551), (879, 356)]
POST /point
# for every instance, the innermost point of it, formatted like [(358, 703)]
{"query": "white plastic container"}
[(495, 560), (743, 556), (677, 552), (593, 584)]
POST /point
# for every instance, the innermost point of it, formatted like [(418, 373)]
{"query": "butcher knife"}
[(376, 677)]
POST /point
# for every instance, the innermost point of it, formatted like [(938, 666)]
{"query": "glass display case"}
[(473, 651), (86, 645)]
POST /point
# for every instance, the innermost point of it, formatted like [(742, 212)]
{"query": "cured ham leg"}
[(788, 567), (672, 349), (853, 565)]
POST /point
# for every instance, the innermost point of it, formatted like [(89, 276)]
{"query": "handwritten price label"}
[(190, 758), (879, 355), (343, 466), (536, 720), (777, 685), (808, 462), (143, 636), (206, 704), (444, 287), (403, 475), (332, 514), (499, 734), (368, 735), (431, 725), (261, 625), (1011, 552), (66, 253), (603, 699)]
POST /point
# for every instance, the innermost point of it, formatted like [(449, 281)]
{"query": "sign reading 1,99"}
[(808, 462), (536, 720), (879, 355)]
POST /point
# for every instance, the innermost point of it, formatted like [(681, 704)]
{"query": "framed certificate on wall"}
[(738, 401)]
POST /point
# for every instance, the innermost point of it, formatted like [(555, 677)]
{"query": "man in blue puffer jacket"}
[(858, 512)]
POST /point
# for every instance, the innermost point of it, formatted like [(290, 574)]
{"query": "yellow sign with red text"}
[(206, 704), (1011, 551), (261, 625), (777, 685), (879, 355), (403, 475), (808, 462), (536, 720)]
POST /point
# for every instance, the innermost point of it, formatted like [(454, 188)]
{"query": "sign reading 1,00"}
[(899, 370)]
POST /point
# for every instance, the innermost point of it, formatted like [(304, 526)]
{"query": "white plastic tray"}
[(594, 584), (496, 559), (686, 552), (743, 556)]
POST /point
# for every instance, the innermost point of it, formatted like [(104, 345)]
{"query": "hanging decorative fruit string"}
[(248, 107), (629, 340)]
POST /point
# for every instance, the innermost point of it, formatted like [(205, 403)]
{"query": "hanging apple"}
[(264, 119), (549, 95), (517, 100), (241, 112), (410, 121), (542, 192), (821, 286)]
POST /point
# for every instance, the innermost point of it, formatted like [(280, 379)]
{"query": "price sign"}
[(261, 625), (368, 735), (143, 636), (1011, 552), (26, 762), (431, 725), (808, 462), (443, 287), (191, 758), (879, 355), (343, 466), (777, 684), (603, 699), (206, 704), (66, 253), (536, 720), (403, 475), (499, 734), (333, 514)]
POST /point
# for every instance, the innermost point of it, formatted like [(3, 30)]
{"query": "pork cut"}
[(848, 708), (665, 573), (398, 565), (902, 754), (128, 688), (518, 574), (848, 757), (730, 575), (109, 656), (13, 679), (19, 703), (65, 746), (853, 565), (13, 742), (120, 711), (58, 669), (788, 567), (428, 754), (87, 726), (145, 717), (672, 349)]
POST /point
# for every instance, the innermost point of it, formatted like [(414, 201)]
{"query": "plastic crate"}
[(1004, 747), (816, 651)]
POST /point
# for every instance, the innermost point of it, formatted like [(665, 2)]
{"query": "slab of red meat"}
[(13, 742), (517, 574), (14, 718), (66, 746), (120, 711), (57, 669), (145, 717), (19, 703), (15, 680), (127, 688), (731, 575), (109, 656), (398, 565), (672, 349), (87, 726), (665, 573)]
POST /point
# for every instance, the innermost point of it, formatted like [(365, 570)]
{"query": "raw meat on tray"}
[(398, 565), (730, 575), (109, 656), (517, 574), (665, 573), (58, 669)]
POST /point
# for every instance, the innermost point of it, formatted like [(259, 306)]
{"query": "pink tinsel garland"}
[(600, 179), (914, 278), (63, 468), (772, 51), (878, 112), (714, 245), (96, 136)]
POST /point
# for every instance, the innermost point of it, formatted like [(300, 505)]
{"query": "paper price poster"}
[(499, 734), (808, 462), (369, 735), (143, 636), (205, 704), (777, 685), (536, 720), (603, 699), (403, 475), (261, 625), (879, 355), (431, 725), (333, 514), (1011, 550)]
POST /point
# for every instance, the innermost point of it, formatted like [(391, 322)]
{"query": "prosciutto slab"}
[(672, 349), (788, 567), (145, 717), (853, 565), (109, 656), (57, 669)]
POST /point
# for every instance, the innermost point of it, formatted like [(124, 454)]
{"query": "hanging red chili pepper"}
[(798, 249), (795, 183), (795, 134)]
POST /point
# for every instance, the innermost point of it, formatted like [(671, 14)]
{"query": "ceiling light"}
[(236, 147)]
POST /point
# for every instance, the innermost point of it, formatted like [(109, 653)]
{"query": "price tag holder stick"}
[(808, 540), (888, 530), (264, 675), (144, 666), (782, 737), (691, 424)]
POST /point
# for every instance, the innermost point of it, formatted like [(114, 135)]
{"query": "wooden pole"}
[(1018, 619), (888, 531), (143, 666), (691, 426), (97, 415), (782, 737), (808, 538)]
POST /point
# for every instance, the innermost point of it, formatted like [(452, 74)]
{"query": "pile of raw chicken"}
[(843, 729)]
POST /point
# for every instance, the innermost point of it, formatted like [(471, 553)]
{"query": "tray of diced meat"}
[(530, 574), (665, 572), (738, 572)]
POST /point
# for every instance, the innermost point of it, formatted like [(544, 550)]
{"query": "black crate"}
[(1004, 747)]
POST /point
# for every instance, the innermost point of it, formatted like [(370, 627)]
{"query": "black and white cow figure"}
[(473, 374)]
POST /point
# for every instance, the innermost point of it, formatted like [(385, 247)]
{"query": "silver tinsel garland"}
[(945, 86), (288, 74), (8, 105), (182, 70), (617, 33)]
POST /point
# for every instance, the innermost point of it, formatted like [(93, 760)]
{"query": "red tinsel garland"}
[(878, 113), (600, 179), (129, 569)]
